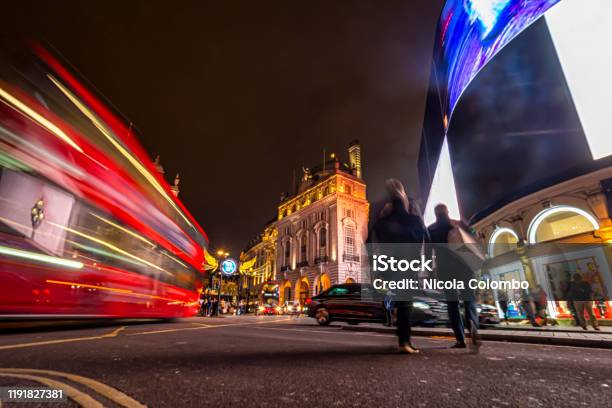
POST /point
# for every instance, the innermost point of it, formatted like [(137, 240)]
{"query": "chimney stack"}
[(355, 157)]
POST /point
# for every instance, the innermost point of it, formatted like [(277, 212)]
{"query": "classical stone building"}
[(315, 240), (321, 228)]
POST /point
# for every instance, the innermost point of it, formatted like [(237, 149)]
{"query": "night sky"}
[(237, 95)]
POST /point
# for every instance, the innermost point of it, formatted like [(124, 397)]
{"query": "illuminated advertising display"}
[(470, 33), (526, 111)]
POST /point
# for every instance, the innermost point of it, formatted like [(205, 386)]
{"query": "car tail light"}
[(308, 301)]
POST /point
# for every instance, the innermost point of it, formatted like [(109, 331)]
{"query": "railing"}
[(350, 258), (285, 268), (302, 264)]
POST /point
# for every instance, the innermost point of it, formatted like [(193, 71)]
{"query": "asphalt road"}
[(275, 361)]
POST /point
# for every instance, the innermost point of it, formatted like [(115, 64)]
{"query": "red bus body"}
[(88, 226)]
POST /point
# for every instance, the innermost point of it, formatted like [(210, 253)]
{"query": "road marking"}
[(77, 396), (106, 391), (114, 333), (205, 327)]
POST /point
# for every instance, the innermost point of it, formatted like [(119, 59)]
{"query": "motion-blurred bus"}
[(88, 226)]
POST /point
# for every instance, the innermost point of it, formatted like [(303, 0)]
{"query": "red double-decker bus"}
[(88, 226)]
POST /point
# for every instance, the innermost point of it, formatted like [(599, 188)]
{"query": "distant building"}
[(263, 250), (319, 230), (175, 186)]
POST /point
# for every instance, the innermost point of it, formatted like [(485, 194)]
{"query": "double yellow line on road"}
[(76, 395)]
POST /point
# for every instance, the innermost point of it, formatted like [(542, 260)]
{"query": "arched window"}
[(502, 240), (559, 222)]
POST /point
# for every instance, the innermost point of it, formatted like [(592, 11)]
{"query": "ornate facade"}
[(315, 241), (321, 229)]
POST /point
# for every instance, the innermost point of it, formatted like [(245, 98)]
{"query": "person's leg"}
[(404, 312), (504, 307), (530, 314), (592, 318), (579, 307), (471, 315), (403, 322), (472, 320), (455, 320)]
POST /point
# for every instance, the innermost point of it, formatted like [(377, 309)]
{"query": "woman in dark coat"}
[(397, 224)]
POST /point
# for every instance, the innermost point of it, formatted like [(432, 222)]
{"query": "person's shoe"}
[(458, 346), (585, 328), (475, 336), (408, 349), (597, 328)]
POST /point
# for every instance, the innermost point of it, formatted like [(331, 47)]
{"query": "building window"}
[(322, 237), (349, 244), (502, 240), (303, 249), (287, 253)]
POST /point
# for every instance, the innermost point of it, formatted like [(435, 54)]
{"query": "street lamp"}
[(223, 254)]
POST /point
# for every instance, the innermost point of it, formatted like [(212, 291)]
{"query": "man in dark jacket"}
[(450, 266), (396, 224)]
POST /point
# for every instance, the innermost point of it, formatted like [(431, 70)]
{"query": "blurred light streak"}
[(16, 104), (103, 252), (137, 236), (110, 246), (124, 291), (8, 135), (18, 253), (134, 161)]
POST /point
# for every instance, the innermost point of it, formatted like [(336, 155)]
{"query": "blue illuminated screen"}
[(470, 33)]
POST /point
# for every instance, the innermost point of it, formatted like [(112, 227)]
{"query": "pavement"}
[(557, 335), (253, 361)]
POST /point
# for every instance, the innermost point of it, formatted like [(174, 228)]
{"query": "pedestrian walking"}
[(400, 223), (450, 266), (581, 294), (502, 299), (528, 307)]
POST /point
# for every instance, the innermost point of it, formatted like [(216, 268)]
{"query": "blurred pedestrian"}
[(399, 223), (528, 307), (581, 294), (540, 301), (450, 266), (600, 304), (502, 299)]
